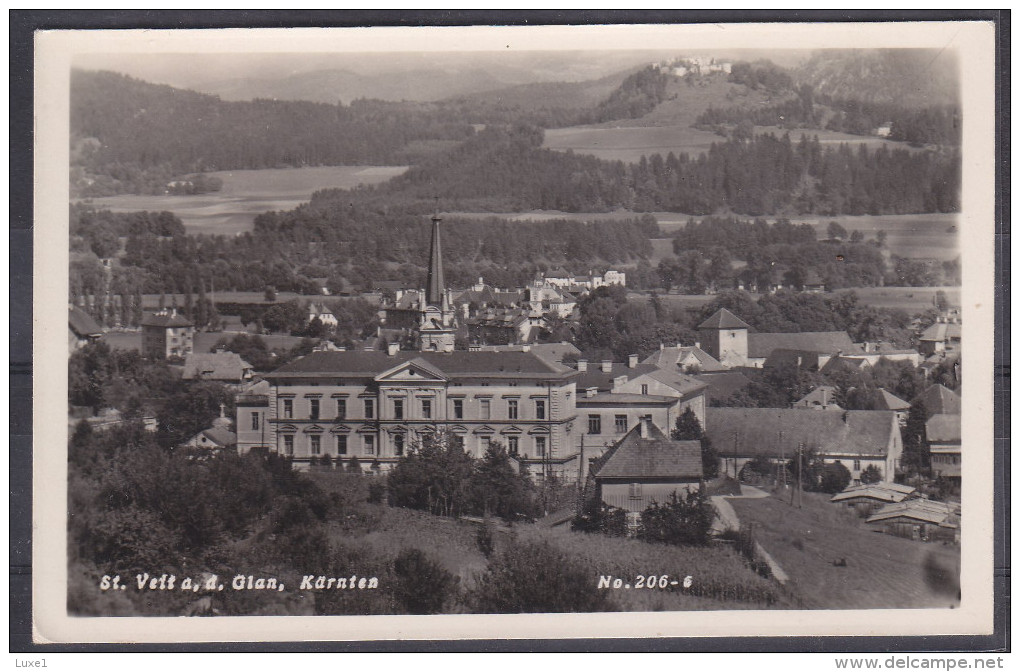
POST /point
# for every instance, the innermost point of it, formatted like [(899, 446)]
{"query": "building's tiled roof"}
[(884, 492), (221, 437), (778, 431), (457, 363), (624, 399), (215, 366), (499, 317), (799, 358), (890, 402), (82, 324), (680, 382), (940, 399), (595, 377), (724, 319), (166, 320), (672, 356), (820, 396), (655, 457), (723, 385), (837, 364), (943, 428), (920, 511), (553, 352), (942, 331), (761, 345)]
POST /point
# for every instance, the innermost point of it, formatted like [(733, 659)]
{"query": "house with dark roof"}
[(887, 401), (822, 398), (919, 519), (81, 328), (939, 399), (613, 397), (167, 334), (503, 326), (943, 433), (221, 366), (321, 312), (646, 466), (690, 359), (857, 439), (939, 338), (867, 498)]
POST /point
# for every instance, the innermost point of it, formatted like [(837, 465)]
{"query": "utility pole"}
[(800, 480)]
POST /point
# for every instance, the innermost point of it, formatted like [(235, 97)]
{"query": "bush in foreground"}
[(536, 577)]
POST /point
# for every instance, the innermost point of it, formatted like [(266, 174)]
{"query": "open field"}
[(911, 299), (934, 235), (882, 571), (629, 144), (247, 193)]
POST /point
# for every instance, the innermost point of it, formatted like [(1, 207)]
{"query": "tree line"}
[(134, 137)]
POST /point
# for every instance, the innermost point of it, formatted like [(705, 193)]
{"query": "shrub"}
[(835, 478), (485, 538), (599, 517), (422, 585), (376, 490), (536, 577), (680, 521), (871, 475)]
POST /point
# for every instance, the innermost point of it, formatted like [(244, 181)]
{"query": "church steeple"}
[(435, 288), (436, 330)]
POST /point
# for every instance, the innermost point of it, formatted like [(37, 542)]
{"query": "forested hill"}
[(138, 135), (504, 169), (906, 77)]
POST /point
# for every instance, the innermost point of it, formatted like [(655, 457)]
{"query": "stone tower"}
[(436, 329), (724, 336)]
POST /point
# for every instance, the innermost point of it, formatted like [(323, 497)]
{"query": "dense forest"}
[(506, 169), (352, 246), (134, 137)]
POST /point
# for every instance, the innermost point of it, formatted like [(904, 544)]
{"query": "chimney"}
[(392, 349), (643, 424), (631, 361), (398, 295), (697, 344), (662, 346), (582, 365), (607, 366), (591, 392), (526, 348), (619, 382)]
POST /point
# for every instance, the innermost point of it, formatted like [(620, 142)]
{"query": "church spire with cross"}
[(436, 330)]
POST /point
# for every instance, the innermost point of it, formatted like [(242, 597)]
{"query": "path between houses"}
[(726, 519)]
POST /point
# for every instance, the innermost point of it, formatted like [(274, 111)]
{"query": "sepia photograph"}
[(444, 325)]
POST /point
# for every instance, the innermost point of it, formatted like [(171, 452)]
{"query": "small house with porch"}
[(646, 466)]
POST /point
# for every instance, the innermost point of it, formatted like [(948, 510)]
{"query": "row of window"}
[(425, 409), (368, 444), (595, 424)]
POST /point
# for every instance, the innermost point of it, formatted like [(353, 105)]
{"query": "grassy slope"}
[(882, 571), (716, 571)]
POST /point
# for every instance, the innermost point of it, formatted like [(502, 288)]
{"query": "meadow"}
[(630, 143), (881, 571), (247, 193), (924, 235), (720, 578)]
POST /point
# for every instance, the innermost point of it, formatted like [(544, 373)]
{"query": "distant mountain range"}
[(907, 77)]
